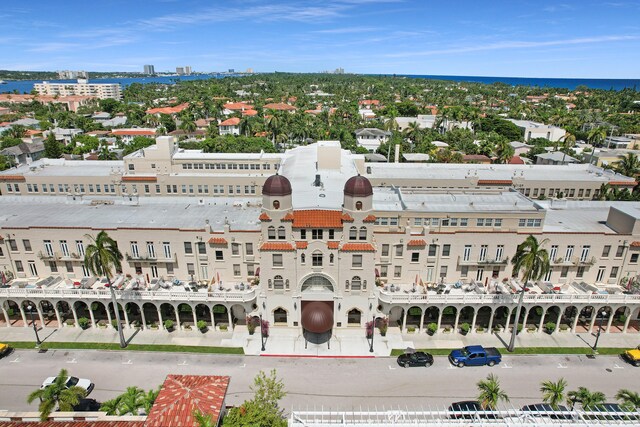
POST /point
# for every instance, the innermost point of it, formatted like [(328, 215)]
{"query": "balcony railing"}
[(496, 299), (486, 261), (161, 257), (58, 256), (129, 295), (567, 262)]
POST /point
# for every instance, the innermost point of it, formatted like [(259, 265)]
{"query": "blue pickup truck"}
[(475, 355)]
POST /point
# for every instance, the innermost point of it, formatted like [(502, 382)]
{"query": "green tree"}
[(57, 394), (588, 399), (629, 165), (263, 409), (629, 400), (131, 401), (504, 151), (568, 141), (533, 261), (490, 393), (110, 406), (16, 131), (137, 143), (101, 257), (5, 163), (52, 148), (204, 420), (553, 393)]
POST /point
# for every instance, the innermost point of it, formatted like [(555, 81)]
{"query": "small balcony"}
[(486, 261), (151, 257)]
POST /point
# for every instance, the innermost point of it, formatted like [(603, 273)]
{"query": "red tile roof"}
[(75, 423), (357, 247), (249, 113), (369, 102), (280, 106), (139, 178), (333, 245), (635, 244), (301, 245), (12, 178), (417, 243), (276, 246), (317, 218), (347, 218), (169, 110), (217, 241), (495, 182), (516, 160), (148, 132), (233, 121), (238, 106), (288, 217), (181, 395), (370, 218), (264, 217), (623, 183)]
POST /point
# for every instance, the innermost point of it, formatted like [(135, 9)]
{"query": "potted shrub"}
[(464, 328), (83, 322), (383, 325), (550, 327), (411, 329), (168, 325), (251, 325), (532, 328), (10, 312), (369, 329), (497, 329), (137, 324), (114, 323), (265, 328), (154, 325), (432, 328), (186, 326), (102, 324), (202, 326), (564, 327), (480, 330), (224, 327), (447, 329), (70, 322)]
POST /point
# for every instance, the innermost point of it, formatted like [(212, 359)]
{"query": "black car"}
[(419, 358), (85, 405), (468, 410), (546, 410)]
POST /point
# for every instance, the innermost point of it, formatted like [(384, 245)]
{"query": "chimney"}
[(317, 183), (397, 158)]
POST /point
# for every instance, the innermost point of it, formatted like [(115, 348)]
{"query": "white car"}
[(71, 381)]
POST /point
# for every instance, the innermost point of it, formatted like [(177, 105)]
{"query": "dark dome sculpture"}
[(317, 317), (276, 185), (358, 186)]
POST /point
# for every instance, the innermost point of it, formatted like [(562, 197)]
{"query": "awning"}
[(317, 317), (258, 272), (377, 273)]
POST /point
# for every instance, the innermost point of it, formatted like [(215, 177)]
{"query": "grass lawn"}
[(524, 350), (130, 347)]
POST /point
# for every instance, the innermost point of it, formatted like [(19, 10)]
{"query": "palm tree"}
[(533, 261), (100, 258), (188, 126), (203, 420), (589, 400), (504, 151), (149, 399), (595, 137), (629, 400), (490, 392), (412, 131), (131, 401), (568, 141), (553, 392), (629, 165), (57, 394)]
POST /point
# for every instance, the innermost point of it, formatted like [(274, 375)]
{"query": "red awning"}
[(317, 317)]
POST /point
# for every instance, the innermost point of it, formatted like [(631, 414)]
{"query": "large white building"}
[(82, 87), (322, 248), (532, 130)]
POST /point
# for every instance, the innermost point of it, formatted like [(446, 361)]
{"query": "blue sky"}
[(592, 39)]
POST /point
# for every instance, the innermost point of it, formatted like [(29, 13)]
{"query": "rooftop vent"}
[(317, 181)]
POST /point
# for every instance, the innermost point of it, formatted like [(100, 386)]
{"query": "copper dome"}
[(276, 185), (317, 317), (358, 186)]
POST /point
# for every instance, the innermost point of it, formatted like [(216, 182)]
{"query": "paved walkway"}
[(345, 342)]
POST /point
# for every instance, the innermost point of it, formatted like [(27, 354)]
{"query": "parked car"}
[(419, 358), (632, 356), (90, 405), (469, 410), (4, 349), (545, 410), (72, 381), (475, 355)]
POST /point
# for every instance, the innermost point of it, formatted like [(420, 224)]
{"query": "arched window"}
[(278, 282), (302, 258), (316, 259), (356, 283), (330, 258), (363, 233), (354, 317), (358, 205), (281, 233), (279, 315), (271, 233), (276, 204), (353, 233)]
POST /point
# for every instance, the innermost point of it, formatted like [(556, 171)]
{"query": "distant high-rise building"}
[(180, 71), (83, 87), (72, 75), (149, 70), (232, 70), (339, 71), (187, 70), (249, 70)]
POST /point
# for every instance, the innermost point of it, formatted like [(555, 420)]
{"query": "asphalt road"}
[(328, 383)]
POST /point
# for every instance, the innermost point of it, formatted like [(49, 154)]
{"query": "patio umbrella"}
[(409, 350)]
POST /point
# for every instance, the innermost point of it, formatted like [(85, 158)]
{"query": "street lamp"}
[(595, 346), (30, 308), (261, 334), (373, 332)]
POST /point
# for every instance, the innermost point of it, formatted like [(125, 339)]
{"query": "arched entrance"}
[(354, 317), (280, 316), (317, 284)]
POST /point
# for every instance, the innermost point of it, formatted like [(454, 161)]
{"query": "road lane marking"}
[(505, 366), (128, 362), (72, 361), (616, 366), (391, 368), (561, 366), (184, 363), (244, 365), (16, 360)]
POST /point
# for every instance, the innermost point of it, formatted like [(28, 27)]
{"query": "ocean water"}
[(571, 84)]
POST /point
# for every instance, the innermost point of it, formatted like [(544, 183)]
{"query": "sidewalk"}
[(344, 343)]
